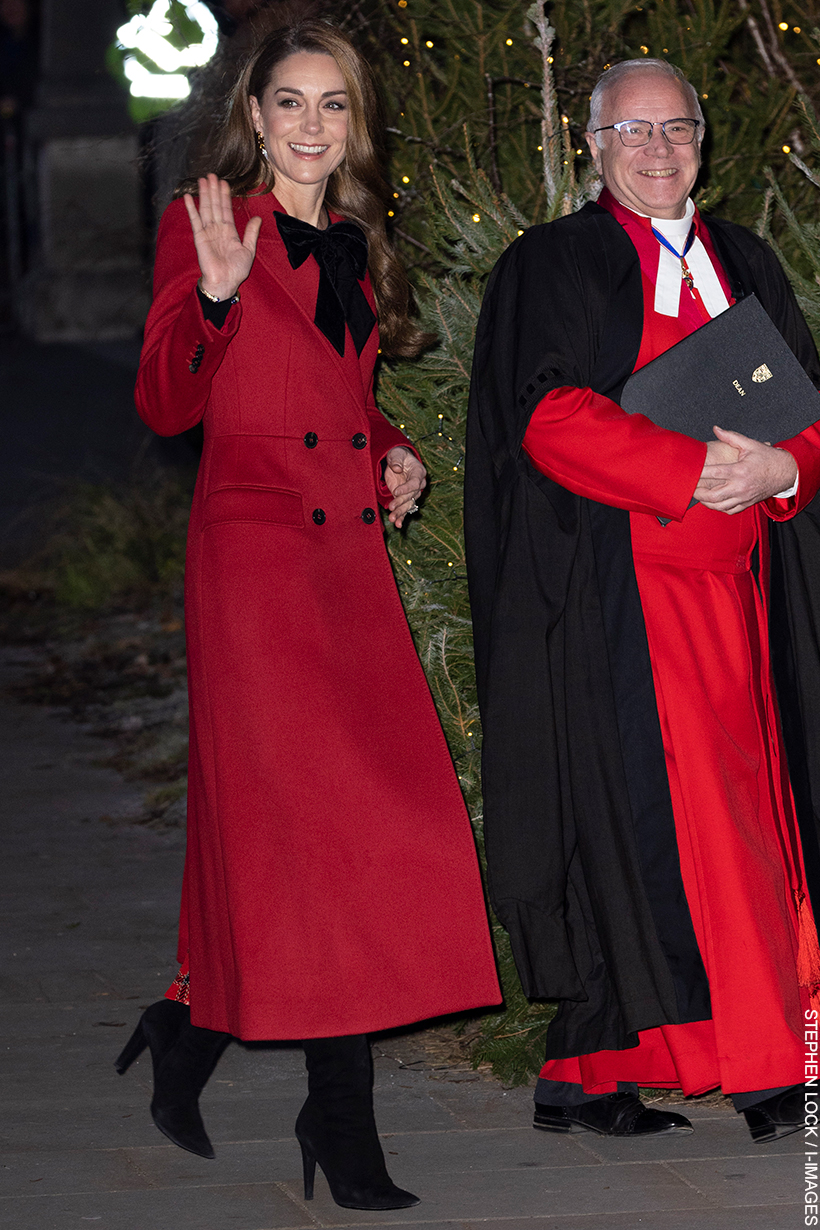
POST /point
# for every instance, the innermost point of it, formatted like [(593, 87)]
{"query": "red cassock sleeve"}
[(588, 444), (805, 448)]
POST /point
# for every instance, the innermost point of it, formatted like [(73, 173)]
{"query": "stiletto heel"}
[(133, 1048), (308, 1170), (336, 1127)]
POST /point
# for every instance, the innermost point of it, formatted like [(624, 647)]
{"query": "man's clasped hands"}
[(739, 472)]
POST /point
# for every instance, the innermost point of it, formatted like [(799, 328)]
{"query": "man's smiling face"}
[(654, 179)]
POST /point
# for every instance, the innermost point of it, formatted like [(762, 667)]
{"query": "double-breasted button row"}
[(368, 515), (358, 441), (199, 351)]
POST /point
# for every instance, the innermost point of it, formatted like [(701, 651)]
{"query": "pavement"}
[(87, 926)]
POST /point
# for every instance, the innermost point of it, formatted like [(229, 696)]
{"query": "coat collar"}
[(302, 285)]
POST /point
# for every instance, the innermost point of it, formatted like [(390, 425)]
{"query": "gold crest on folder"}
[(761, 374)]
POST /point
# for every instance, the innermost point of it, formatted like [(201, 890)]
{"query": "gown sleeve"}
[(805, 448), (587, 443)]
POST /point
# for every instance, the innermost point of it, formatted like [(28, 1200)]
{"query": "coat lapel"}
[(301, 286)]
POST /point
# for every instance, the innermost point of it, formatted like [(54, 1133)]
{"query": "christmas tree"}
[(468, 221), (446, 63), (469, 224), (803, 262)]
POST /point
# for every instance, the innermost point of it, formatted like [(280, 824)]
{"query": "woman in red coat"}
[(331, 884)]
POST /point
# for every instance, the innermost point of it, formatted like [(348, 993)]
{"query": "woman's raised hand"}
[(224, 258)]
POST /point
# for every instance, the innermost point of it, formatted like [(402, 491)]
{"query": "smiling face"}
[(303, 117), (654, 179)]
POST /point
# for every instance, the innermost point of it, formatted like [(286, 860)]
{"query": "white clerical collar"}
[(669, 281)]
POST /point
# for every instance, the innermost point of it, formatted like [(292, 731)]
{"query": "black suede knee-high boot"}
[(336, 1127)]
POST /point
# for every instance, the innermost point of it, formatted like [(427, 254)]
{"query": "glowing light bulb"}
[(787, 149), (476, 217), (429, 43), (405, 179), (782, 25), (405, 41), (148, 33), (509, 42)]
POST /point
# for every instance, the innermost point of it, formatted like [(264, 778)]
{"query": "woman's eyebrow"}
[(291, 89)]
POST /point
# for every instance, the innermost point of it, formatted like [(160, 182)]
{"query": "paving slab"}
[(88, 935)]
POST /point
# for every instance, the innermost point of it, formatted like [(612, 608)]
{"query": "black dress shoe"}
[(777, 1116), (615, 1114)]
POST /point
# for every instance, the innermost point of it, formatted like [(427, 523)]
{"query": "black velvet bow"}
[(341, 254)]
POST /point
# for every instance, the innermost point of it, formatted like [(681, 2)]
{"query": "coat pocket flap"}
[(253, 504)]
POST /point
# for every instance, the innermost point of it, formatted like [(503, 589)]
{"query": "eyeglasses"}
[(639, 132)]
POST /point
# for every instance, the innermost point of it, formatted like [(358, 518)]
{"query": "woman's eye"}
[(336, 106)]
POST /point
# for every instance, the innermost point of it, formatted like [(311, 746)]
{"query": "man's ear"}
[(592, 143)]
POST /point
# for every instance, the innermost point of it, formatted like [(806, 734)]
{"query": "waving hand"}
[(224, 258)]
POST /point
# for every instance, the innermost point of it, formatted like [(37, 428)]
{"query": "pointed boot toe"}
[(183, 1125)]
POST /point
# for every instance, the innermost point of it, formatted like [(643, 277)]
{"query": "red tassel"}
[(808, 949)]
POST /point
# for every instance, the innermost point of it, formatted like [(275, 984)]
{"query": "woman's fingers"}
[(193, 213), (251, 235), (224, 259)]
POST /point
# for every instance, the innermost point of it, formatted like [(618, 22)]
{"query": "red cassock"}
[(703, 588), (331, 881)]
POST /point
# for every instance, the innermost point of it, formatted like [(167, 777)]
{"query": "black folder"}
[(736, 371)]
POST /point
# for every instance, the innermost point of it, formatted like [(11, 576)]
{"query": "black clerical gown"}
[(582, 856)]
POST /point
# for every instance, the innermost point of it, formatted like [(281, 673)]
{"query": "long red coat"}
[(331, 882)]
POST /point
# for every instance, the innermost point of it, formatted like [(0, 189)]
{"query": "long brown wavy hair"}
[(356, 189)]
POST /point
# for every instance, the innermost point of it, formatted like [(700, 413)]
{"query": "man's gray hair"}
[(611, 76)]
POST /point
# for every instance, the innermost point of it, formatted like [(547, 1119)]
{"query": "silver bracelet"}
[(214, 298)]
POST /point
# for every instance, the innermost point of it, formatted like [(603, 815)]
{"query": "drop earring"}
[(260, 141)]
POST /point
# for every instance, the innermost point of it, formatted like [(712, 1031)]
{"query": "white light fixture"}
[(154, 85), (148, 34)]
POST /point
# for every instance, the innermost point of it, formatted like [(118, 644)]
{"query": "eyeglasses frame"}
[(657, 124)]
